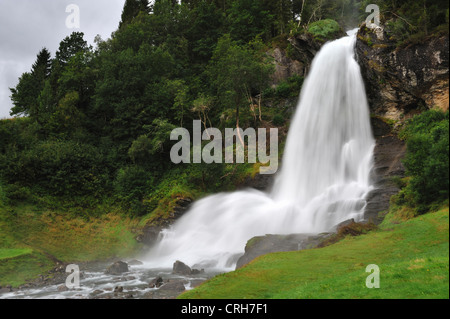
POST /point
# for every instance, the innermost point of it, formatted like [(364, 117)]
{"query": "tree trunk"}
[(237, 125)]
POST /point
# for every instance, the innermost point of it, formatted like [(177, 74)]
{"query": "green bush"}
[(132, 183), (427, 160), (58, 168), (283, 90), (3, 197), (324, 30), (289, 88), (278, 120), (16, 193)]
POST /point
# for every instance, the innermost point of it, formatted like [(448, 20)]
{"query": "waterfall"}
[(324, 177)]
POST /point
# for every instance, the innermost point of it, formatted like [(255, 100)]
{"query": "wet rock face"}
[(402, 79), (262, 245), (388, 154), (150, 233), (285, 66)]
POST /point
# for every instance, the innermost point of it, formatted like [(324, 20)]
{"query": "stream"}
[(95, 284)]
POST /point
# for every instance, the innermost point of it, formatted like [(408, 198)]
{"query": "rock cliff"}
[(403, 79)]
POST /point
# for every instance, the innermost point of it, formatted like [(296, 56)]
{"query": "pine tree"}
[(43, 64), (25, 95), (70, 46), (131, 10)]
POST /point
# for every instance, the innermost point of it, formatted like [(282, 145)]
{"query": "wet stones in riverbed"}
[(4, 290), (180, 268), (168, 290)]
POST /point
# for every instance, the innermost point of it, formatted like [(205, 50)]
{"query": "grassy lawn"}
[(18, 270), (413, 257), (11, 253)]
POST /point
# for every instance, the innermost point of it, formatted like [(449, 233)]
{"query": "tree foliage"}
[(427, 159)]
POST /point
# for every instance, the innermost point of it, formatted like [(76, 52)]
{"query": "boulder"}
[(62, 288), (181, 268), (261, 245), (118, 289), (117, 268), (156, 283)]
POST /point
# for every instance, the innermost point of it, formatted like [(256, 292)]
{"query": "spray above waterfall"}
[(324, 176)]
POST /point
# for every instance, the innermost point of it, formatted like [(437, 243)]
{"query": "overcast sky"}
[(26, 26)]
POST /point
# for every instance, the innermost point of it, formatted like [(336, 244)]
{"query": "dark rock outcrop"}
[(261, 245), (304, 50), (400, 81), (150, 232), (259, 181), (285, 66), (149, 235), (403, 79)]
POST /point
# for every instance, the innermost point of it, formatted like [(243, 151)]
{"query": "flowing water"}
[(323, 181)]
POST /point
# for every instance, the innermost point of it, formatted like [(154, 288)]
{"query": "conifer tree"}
[(131, 10), (25, 95)]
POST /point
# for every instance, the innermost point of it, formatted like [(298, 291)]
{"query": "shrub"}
[(3, 197), (132, 183), (283, 90), (289, 88), (58, 168), (427, 160), (278, 120), (324, 30)]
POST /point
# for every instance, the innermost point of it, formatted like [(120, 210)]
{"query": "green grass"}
[(413, 257), (11, 253), (20, 269)]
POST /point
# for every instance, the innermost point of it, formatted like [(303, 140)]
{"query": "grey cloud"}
[(26, 26)]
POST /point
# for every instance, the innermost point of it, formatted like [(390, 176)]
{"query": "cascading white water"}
[(324, 177)]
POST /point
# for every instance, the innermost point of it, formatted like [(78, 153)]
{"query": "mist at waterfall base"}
[(323, 181)]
